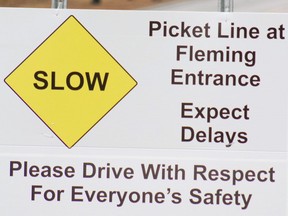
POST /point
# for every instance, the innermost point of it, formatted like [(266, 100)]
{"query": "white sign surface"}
[(203, 80), (127, 182), (147, 113)]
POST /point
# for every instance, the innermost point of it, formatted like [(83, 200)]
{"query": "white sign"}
[(196, 80), (124, 181), (125, 112)]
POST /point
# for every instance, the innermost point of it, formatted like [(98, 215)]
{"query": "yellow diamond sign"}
[(70, 81)]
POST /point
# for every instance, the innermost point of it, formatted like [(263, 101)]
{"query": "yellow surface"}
[(60, 81)]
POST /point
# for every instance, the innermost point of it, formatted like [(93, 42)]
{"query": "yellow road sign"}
[(70, 81)]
